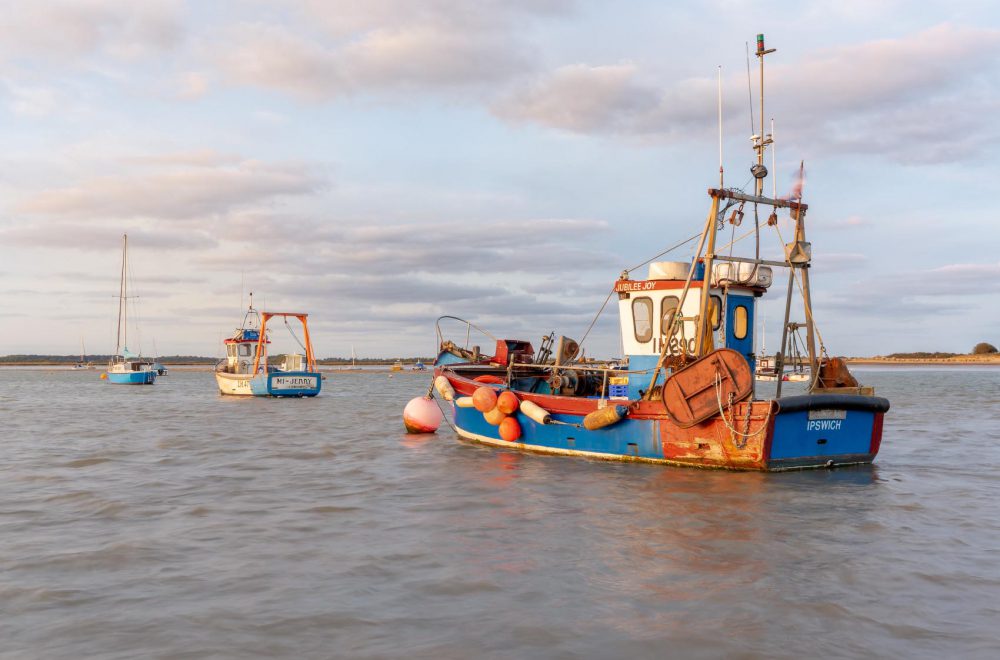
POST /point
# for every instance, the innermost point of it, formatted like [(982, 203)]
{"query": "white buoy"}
[(422, 415), (536, 412), (465, 402), (444, 388)]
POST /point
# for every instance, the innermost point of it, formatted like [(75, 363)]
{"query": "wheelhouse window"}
[(715, 311), (642, 319), (668, 305), (245, 350), (740, 316)]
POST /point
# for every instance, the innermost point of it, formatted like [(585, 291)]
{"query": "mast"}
[(121, 295), (761, 140), (125, 290)]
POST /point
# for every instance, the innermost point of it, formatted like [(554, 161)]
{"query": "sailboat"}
[(126, 367), (159, 367), (83, 364), (354, 361)]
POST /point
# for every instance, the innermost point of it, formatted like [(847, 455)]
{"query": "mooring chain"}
[(734, 432)]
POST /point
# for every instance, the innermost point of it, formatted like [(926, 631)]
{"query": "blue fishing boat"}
[(125, 366), (685, 392), (245, 371)]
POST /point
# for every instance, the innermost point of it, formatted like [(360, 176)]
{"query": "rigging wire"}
[(667, 251), (749, 87), (291, 331), (597, 316)]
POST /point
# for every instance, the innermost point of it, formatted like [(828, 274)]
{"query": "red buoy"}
[(510, 430), (484, 399), (422, 415), (508, 403)]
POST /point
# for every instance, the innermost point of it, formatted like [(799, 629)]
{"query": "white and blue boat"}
[(245, 370), (125, 366)]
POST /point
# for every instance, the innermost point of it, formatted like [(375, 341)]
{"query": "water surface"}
[(167, 521)]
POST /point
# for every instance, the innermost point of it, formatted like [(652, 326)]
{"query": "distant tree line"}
[(982, 348), (191, 359)]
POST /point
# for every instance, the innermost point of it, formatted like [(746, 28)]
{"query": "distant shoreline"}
[(958, 361), (209, 368)]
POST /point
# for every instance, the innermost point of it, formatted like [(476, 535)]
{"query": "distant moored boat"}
[(245, 370), (125, 366)]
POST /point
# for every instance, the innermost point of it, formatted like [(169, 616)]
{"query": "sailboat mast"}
[(125, 290), (121, 298)]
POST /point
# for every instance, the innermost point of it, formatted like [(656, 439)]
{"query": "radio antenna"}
[(720, 128), (749, 88), (774, 169)]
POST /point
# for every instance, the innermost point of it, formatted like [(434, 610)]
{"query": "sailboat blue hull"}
[(132, 378)]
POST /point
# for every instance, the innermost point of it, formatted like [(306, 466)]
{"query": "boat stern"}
[(287, 384), (825, 430)]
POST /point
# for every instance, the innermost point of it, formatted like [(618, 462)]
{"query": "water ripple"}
[(197, 526)]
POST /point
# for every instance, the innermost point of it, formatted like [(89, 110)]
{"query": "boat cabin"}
[(240, 349), (645, 308)]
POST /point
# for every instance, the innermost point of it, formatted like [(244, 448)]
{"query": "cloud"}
[(33, 101), (76, 236), (346, 17), (62, 235), (183, 186), (192, 85), (532, 246), (275, 57), (351, 47), (64, 30), (583, 99), (886, 96), (835, 262), (916, 294), (850, 222)]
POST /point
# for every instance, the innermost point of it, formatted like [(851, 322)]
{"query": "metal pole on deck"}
[(779, 360), (705, 323), (800, 236)]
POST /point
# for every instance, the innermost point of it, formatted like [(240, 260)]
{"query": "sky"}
[(380, 163)]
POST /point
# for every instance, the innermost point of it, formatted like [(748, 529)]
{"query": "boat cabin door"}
[(739, 326)]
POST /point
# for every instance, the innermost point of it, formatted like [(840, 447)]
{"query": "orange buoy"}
[(510, 430), (508, 403), (422, 415), (494, 416), (104, 376), (484, 399)]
